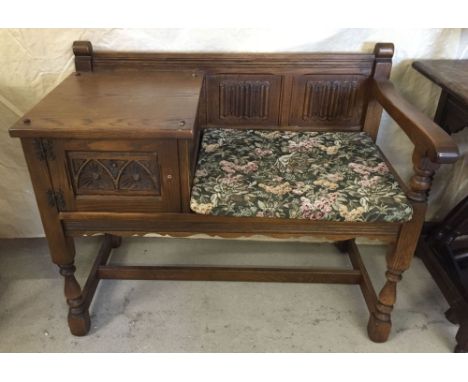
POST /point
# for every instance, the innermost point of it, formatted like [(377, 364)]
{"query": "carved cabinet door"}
[(115, 175)]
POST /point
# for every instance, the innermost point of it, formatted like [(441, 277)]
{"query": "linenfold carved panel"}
[(115, 173), (243, 98), (327, 100)]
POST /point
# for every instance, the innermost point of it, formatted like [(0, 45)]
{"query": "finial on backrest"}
[(83, 51), (384, 50)]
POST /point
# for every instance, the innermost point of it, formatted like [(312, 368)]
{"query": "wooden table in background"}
[(443, 249)]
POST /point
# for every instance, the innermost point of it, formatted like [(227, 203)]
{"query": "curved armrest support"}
[(429, 138)]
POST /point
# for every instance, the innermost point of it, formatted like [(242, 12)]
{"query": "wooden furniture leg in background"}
[(462, 336), (457, 314), (444, 252)]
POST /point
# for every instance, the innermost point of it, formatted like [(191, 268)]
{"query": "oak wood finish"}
[(118, 175), (234, 99), (328, 100), (381, 71), (83, 51), (398, 260), (102, 258), (78, 314), (113, 149), (128, 224), (429, 139), (142, 104), (235, 82), (61, 246), (365, 283), (269, 274)]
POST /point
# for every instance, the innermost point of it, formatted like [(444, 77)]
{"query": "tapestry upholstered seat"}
[(335, 176)]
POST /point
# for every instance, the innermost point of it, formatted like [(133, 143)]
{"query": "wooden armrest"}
[(427, 136)]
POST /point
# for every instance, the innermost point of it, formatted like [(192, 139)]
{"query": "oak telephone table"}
[(281, 145)]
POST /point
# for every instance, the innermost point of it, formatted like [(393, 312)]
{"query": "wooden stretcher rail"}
[(211, 273), (102, 270), (102, 258), (365, 282)]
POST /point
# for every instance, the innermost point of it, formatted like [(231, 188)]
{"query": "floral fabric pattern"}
[(334, 176)]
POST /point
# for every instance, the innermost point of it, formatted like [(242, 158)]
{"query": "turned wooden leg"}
[(380, 323), (398, 260), (78, 314), (62, 249)]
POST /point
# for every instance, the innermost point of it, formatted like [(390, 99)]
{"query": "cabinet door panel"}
[(114, 175)]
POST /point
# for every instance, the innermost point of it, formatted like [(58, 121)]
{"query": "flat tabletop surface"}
[(451, 75), (122, 104)]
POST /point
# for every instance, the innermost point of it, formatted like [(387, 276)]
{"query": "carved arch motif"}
[(114, 173)]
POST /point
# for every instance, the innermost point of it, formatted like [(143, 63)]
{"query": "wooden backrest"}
[(303, 91)]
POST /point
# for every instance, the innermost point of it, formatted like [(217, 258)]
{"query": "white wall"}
[(33, 62)]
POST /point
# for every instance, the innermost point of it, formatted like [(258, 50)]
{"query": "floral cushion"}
[(333, 176)]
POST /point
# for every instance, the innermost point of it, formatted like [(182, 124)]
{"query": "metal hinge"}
[(44, 149), (56, 199)]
